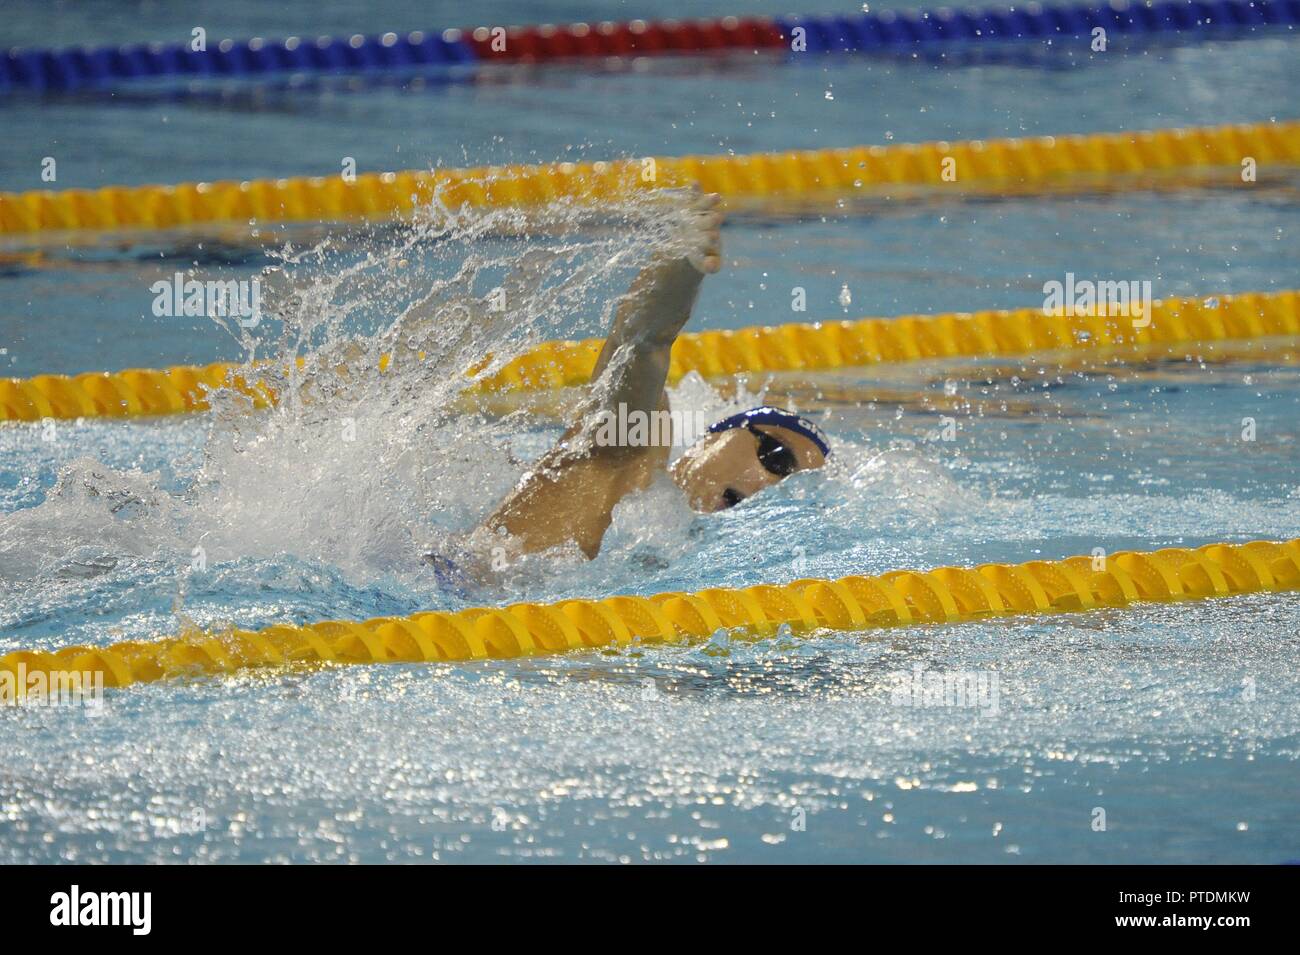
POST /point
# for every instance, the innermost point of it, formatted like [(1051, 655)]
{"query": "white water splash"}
[(356, 468)]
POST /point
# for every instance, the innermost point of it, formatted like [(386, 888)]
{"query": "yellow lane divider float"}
[(792, 347), (998, 165), (944, 595)]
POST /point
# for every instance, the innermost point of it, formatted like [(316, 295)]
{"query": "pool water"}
[(1179, 723)]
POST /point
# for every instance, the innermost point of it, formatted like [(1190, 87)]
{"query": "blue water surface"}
[(1181, 722)]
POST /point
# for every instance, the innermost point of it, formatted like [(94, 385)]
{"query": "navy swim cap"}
[(766, 414)]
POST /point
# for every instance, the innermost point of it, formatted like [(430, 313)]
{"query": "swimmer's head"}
[(745, 453)]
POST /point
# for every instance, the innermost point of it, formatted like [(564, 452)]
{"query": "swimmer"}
[(570, 494)]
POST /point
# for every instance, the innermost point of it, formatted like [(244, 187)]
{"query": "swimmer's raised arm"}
[(633, 365), (571, 493)]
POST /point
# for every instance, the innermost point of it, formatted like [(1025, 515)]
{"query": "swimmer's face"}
[(721, 470)]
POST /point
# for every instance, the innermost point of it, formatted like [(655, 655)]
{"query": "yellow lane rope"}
[(997, 164), (943, 595), (814, 346)]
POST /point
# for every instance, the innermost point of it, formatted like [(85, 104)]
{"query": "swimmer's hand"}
[(661, 298), (703, 233), (696, 224)]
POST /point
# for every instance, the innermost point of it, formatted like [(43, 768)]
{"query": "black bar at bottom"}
[(298, 904)]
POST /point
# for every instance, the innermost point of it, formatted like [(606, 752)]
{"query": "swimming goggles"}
[(775, 456)]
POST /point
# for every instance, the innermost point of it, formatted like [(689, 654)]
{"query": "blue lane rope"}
[(887, 30), (38, 69), (76, 68)]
